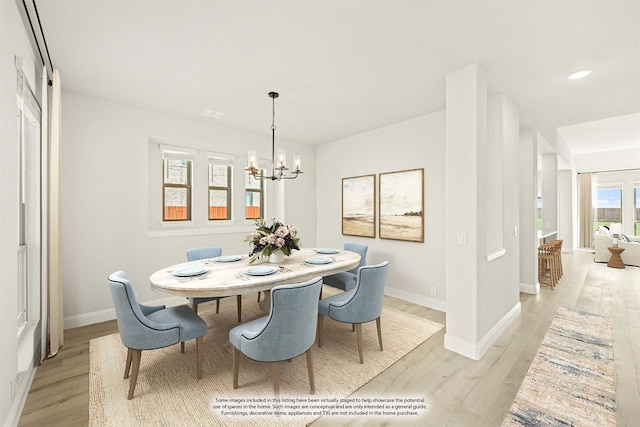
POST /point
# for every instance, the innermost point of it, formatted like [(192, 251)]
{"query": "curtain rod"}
[(35, 37), (44, 39), (614, 170)]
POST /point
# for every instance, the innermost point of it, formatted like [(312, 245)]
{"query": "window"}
[(199, 192), (539, 213), (609, 204), (636, 204), (29, 208), (254, 198), (176, 185), (220, 173)]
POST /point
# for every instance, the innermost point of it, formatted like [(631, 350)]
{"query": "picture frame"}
[(402, 205), (359, 206)]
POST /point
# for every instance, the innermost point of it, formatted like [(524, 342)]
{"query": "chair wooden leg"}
[(359, 337), (235, 362), (312, 383), (127, 366), (275, 374), (320, 331), (217, 306), (239, 299), (353, 327), (194, 307), (379, 326), (181, 346), (199, 355), (134, 375), (259, 292)]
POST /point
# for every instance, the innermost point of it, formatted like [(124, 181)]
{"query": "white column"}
[(466, 126)]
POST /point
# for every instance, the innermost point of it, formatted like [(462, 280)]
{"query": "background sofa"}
[(630, 256)]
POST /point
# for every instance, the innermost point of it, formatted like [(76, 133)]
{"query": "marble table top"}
[(231, 278)]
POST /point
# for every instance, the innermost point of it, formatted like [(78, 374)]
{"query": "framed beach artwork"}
[(402, 205), (359, 206)]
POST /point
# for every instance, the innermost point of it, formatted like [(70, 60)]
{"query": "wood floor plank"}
[(458, 391)]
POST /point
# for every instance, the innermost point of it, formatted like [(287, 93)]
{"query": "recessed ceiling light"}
[(580, 74), (211, 113)]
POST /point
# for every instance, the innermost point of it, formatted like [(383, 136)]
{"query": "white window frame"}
[(228, 160), (199, 223)]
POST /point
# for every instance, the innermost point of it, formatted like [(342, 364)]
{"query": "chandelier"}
[(279, 165)]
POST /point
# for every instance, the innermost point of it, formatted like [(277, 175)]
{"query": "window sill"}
[(190, 228), (495, 255)]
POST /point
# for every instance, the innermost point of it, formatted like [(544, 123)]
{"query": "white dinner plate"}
[(190, 271), (261, 271), (228, 258), (318, 260), (327, 251)]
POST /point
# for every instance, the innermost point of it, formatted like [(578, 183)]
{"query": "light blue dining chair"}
[(288, 331), (197, 254), (360, 305), (144, 327), (346, 280)]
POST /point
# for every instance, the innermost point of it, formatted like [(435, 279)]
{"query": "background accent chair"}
[(207, 253), (288, 331), (147, 328), (358, 306), (346, 280)]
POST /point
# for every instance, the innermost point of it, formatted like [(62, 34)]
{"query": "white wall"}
[(528, 179), (549, 175), (567, 209), (13, 41), (105, 190), (498, 279), (415, 268)]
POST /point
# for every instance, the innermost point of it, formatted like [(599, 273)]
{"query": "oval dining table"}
[(230, 275)]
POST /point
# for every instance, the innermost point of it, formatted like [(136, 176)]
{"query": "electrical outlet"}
[(434, 291)]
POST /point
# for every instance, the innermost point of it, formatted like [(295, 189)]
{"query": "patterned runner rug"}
[(571, 381), (168, 394)]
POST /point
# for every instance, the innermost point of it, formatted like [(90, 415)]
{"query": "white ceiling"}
[(345, 67)]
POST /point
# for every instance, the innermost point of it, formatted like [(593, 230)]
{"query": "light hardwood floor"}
[(458, 391)]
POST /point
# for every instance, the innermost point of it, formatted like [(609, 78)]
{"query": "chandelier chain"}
[(273, 113)]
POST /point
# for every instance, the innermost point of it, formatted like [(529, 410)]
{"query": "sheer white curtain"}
[(56, 315), (44, 281)]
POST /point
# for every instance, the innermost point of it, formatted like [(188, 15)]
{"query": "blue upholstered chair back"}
[(358, 248), (136, 330), (366, 300), (291, 326), (203, 253)]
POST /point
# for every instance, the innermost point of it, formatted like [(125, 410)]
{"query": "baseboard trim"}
[(416, 299), (492, 336), (528, 288), (110, 314), (476, 351)]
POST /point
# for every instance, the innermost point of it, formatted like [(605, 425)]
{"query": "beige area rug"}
[(168, 394), (571, 381)]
